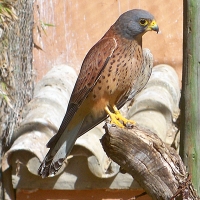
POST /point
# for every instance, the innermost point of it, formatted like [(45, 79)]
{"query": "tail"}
[(60, 146)]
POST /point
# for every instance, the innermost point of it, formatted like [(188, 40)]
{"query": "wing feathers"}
[(61, 144), (93, 64)]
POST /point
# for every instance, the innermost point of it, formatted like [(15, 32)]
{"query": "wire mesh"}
[(16, 69)]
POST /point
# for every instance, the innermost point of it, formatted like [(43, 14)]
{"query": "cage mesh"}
[(16, 68)]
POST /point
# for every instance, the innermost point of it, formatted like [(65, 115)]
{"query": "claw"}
[(117, 118), (114, 118), (122, 118)]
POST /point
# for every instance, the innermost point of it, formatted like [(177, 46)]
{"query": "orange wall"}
[(80, 195), (79, 24)]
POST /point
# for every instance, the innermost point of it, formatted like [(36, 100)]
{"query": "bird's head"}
[(134, 23)]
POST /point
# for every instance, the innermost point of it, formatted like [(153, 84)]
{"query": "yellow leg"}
[(117, 118), (122, 118), (113, 118)]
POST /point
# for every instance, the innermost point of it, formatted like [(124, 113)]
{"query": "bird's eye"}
[(143, 22)]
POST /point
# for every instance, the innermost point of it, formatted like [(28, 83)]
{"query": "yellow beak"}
[(153, 26)]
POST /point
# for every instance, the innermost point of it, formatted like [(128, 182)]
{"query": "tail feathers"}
[(59, 149), (48, 167), (52, 163)]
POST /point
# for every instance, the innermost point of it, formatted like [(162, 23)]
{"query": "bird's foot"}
[(122, 119), (115, 120), (118, 119)]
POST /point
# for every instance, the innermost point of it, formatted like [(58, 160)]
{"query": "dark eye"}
[(143, 22)]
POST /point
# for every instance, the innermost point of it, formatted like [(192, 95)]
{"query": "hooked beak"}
[(153, 26)]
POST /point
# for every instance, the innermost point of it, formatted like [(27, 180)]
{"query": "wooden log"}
[(154, 165)]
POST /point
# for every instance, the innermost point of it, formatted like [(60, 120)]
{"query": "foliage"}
[(7, 16), (7, 13)]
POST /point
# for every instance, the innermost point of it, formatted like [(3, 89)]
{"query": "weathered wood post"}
[(190, 103)]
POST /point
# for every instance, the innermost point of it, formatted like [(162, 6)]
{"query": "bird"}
[(144, 75), (111, 70)]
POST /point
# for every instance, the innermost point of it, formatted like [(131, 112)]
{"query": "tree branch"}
[(154, 165)]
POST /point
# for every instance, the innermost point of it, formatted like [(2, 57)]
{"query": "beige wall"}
[(79, 24)]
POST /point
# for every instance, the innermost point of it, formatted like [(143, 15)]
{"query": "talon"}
[(114, 118), (118, 119), (130, 125), (125, 121)]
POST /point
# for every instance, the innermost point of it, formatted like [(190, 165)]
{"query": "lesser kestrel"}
[(110, 71)]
